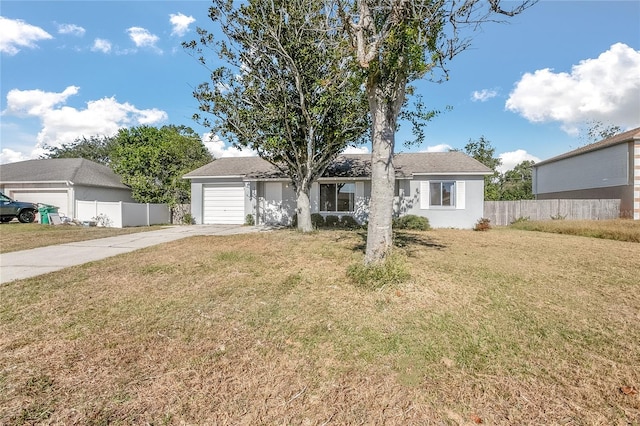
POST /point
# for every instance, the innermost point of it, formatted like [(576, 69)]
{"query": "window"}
[(337, 197), (441, 194)]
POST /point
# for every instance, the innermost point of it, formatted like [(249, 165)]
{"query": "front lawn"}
[(16, 236), (501, 327)]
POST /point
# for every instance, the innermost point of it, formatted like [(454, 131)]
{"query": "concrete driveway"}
[(30, 263)]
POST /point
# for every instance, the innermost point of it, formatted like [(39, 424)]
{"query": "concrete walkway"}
[(30, 263)]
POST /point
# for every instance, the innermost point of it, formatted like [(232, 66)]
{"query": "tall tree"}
[(396, 42), (516, 184), (285, 91), (152, 161), (484, 152), (95, 148), (597, 131)]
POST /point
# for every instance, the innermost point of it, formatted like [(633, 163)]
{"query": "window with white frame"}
[(442, 194), (337, 197)]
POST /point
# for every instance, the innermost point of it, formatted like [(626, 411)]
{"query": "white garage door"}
[(223, 203), (52, 198)]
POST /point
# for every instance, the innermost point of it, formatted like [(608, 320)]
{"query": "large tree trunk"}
[(383, 178), (304, 210)]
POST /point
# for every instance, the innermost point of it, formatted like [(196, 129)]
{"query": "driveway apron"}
[(30, 263)]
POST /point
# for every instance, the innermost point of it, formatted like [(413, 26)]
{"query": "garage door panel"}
[(224, 204), (52, 198)]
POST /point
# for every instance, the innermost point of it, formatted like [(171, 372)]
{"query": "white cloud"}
[(356, 150), (36, 102), (217, 147), (513, 158), (604, 89), (101, 45), (63, 124), (143, 38), (10, 156), (71, 29), (443, 147), (16, 34), (483, 95), (180, 23)]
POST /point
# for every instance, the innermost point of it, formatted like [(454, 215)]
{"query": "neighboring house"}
[(61, 182), (445, 187), (609, 169)]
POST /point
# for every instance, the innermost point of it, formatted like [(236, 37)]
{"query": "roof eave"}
[(451, 174), (214, 177), (66, 182)]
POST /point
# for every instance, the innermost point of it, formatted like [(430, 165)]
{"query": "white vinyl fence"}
[(119, 214), (502, 213)]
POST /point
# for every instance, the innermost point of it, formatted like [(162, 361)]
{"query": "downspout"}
[(72, 201)]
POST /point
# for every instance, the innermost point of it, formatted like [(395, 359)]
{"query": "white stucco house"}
[(608, 169), (445, 187), (61, 182)]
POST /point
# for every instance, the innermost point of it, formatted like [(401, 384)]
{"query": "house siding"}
[(609, 173), (636, 181), (444, 217), (604, 168)]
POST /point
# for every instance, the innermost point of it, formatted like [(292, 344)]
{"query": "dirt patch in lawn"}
[(500, 327)]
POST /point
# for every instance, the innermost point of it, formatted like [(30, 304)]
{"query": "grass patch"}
[(391, 271), (507, 326), (618, 229), (24, 236)]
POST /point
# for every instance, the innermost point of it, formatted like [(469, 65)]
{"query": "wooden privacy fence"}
[(502, 213), (119, 214)]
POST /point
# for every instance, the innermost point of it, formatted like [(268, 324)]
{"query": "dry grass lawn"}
[(504, 327), (615, 229), (16, 236)]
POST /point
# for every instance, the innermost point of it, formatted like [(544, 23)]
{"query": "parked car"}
[(9, 209)]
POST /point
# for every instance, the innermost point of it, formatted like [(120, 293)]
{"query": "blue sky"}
[(81, 68)]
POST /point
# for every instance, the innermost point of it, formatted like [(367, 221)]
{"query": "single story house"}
[(61, 182), (445, 187), (608, 169)]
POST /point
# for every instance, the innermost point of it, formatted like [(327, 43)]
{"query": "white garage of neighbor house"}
[(61, 182), (445, 187)]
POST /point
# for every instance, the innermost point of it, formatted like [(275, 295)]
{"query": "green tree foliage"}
[(152, 161), (285, 91), (95, 148), (597, 131), (516, 184), (396, 43), (484, 152)]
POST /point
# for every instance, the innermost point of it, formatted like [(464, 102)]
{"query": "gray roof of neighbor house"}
[(348, 166), (625, 137), (76, 171)]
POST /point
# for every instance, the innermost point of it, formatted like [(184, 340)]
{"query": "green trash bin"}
[(44, 213)]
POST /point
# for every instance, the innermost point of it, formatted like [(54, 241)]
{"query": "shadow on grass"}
[(402, 239)]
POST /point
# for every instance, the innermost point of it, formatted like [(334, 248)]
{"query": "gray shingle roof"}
[(349, 165), (79, 171), (625, 137)]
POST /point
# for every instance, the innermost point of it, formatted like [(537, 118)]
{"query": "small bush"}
[(331, 221), (411, 221), (187, 219), (249, 220), (349, 222), (294, 220), (483, 224), (393, 270), (317, 220)]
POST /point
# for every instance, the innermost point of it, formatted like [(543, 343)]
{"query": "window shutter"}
[(460, 194), (424, 194)]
